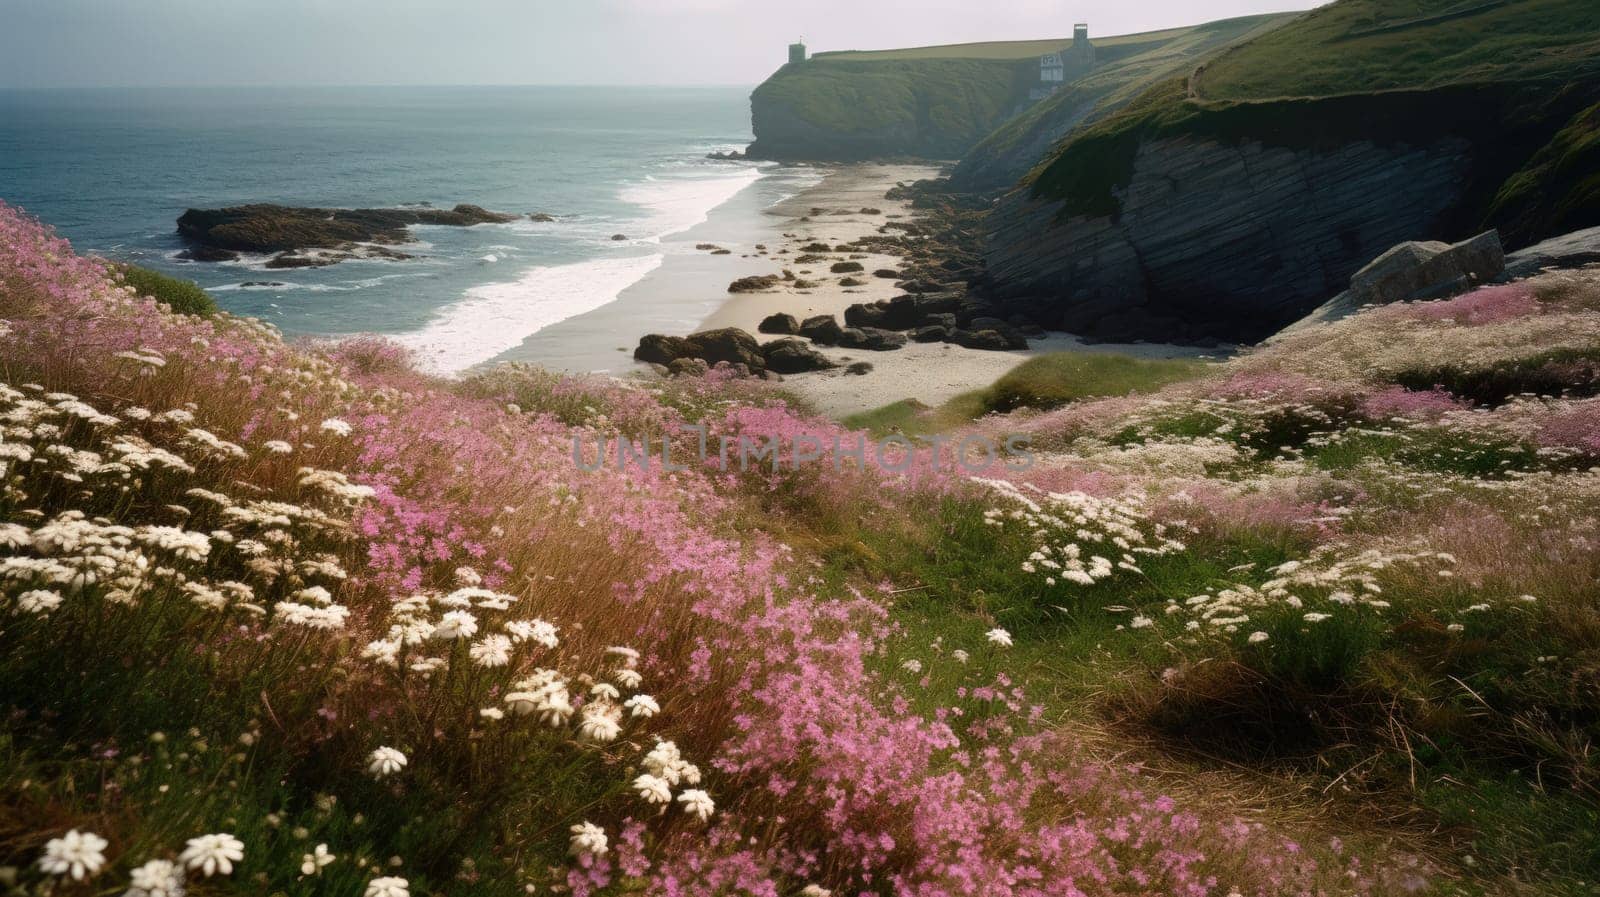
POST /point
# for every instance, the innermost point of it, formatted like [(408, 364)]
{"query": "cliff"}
[(1006, 155), (1229, 203), (928, 102)]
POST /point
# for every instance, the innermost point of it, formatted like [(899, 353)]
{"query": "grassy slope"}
[(1104, 90), (1040, 383), (948, 97), (1502, 101)]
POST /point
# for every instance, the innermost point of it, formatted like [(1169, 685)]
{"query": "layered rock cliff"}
[(1178, 218)]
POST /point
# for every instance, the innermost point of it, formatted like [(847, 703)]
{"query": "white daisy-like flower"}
[(999, 637), (336, 426), (385, 761), (642, 706), (38, 601), (388, 886), (212, 854), (604, 691), (1257, 638), (1141, 622), (627, 678), (156, 878), (492, 713), (537, 631), (312, 863), (491, 651), (456, 624), (1315, 617), (600, 723), (653, 790), (76, 854), (912, 666), (587, 839), (278, 447), (960, 655), (697, 803), (815, 891)]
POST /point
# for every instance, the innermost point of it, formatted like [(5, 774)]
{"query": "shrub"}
[(1050, 381), (183, 296)]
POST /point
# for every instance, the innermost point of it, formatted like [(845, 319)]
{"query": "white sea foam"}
[(675, 204), (497, 316)]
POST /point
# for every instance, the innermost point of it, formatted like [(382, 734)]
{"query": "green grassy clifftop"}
[(928, 102)]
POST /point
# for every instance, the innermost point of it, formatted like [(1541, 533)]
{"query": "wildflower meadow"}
[(294, 618)]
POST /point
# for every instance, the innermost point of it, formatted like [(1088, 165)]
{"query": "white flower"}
[(912, 666), (312, 863), (629, 679), (1314, 617), (78, 854), (385, 761), (278, 447), (697, 803), (456, 624), (157, 878), (336, 426), (1257, 638), (38, 601), (960, 655), (1141, 622), (999, 637), (492, 713), (642, 706), (604, 691), (1455, 627), (815, 891), (212, 854), (389, 886), (536, 631), (599, 723), (491, 651), (653, 789), (588, 838)]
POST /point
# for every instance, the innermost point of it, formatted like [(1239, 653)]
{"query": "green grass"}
[(179, 295), (1050, 381), (1010, 50), (1367, 45)]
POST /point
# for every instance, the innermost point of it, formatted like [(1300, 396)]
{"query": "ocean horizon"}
[(112, 168)]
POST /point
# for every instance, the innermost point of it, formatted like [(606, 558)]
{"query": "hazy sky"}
[(48, 43)]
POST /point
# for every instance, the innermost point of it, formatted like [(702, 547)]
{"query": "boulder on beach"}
[(793, 356), (779, 323), (265, 227), (727, 344), (846, 267), (821, 329), (688, 367), (872, 339), (754, 283), (859, 368), (656, 348)]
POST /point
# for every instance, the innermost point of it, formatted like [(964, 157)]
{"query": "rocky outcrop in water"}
[(313, 237)]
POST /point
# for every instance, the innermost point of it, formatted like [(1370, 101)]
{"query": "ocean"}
[(113, 169)]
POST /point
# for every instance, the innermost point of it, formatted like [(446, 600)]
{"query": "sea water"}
[(113, 169)]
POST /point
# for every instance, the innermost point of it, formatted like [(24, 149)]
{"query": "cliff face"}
[(1180, 218), (1230, 241), (850, 110)]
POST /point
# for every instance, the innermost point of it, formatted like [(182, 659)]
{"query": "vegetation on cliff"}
[(184, 296), (1442, 75)]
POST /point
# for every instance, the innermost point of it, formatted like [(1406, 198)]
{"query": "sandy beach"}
[(688, 292)]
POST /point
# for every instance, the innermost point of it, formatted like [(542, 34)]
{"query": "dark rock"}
[(990, 340), (871, 211), (865, 315), (793, 356), (932, 333), (859, 368), (619, 237), (729, 156), (541, 217), (754, 284), (846, 267), (823, 330), (779, 323), (852, 282), (656, 348), (288, 260), (688, 367), (263, 283), (871, 338), (727, 344), (208, 254), (1572, 250), (264, 227), (887, 274)]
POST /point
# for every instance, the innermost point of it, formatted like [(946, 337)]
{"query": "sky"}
[(144, 43)]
